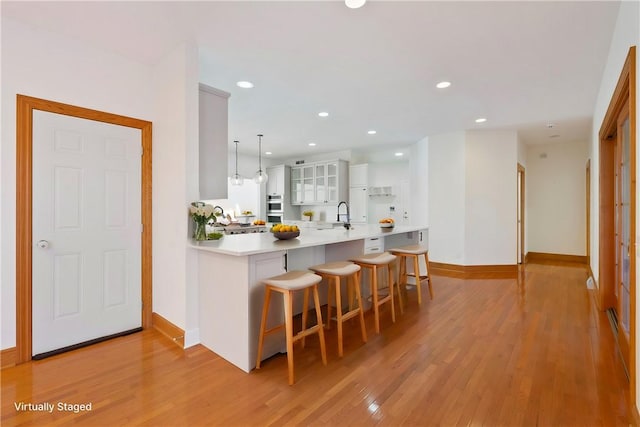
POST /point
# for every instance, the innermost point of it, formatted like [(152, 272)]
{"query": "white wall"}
[(175, 185), (446, 183), (626, 34), (556, 197), (491, 198), (419, 182), (49, 66)]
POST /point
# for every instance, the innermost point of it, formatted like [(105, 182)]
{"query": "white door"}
[(86, 226)]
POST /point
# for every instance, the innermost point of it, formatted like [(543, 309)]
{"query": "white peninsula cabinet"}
[(231, 273), (319, 183)]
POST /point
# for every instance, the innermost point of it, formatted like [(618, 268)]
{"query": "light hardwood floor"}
[(528, 351)]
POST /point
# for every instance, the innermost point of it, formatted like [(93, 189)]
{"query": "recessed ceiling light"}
[(312, 144), (443, 85), (268, 152), (354, 4), (399, 154), (372, 132), (245, 84), (323, 114), (481, 120)]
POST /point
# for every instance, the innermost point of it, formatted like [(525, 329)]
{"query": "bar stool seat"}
[(287, 284), (333, 272), (414, 252), (373, 262)]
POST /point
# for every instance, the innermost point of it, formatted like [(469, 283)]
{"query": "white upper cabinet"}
[(319, 183), (276, 182), (213, 145)]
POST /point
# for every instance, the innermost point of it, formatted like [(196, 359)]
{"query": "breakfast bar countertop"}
[(258, 243)]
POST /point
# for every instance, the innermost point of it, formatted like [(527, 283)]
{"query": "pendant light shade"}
[(261, 176), (237, 179)]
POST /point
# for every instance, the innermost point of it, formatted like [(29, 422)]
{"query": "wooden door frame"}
[(588, 212), (522, 227), (625, 93), (24, 210)]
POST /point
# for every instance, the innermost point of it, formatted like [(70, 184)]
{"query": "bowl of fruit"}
[(285, 232), (387, 223), (259, 222)]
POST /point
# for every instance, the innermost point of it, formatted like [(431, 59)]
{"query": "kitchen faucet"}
[(346, 223), (215, 218)]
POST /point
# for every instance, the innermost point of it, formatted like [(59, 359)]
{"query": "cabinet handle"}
[(374, 238), (421, 236)]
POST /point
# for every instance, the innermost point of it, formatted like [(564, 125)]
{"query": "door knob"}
[(43, 244)]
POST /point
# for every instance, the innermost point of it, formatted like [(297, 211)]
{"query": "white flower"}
[(208, 210)]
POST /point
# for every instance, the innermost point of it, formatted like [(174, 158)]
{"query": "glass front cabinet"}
[(319, 183)]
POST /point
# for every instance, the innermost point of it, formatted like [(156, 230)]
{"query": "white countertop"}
[(256, 243)]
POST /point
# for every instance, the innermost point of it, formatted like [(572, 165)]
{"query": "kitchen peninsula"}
[(231, 270)]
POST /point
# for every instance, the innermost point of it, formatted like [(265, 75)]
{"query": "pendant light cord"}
[(260, 153), (236, 142)]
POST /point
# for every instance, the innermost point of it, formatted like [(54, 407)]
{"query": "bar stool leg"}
[(338, 313), (402, 274), (426, 263), (397, 285), (263, 324), (355, 280), (416, 267), (374, 293), (305, 313), (390, 283), (288, 321), (323, 350)]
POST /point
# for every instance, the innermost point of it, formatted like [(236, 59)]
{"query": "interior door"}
[(623, 235), (520, 232), (86, 227)]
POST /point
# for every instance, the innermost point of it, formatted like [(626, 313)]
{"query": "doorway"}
[(617, 223), (26, 106), (520, 232)]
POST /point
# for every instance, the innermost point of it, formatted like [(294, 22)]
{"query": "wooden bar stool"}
[(333, 272), (287, 284), (372, 262), (413, 252)]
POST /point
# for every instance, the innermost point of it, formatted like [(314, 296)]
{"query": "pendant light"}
[(354, 4), (237, 179), (260, 177)]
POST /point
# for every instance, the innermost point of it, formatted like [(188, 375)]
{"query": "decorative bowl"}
[(286, 235), (387, 224), (215, 236)]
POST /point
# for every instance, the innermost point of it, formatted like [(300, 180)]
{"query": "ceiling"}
[(521, 65)]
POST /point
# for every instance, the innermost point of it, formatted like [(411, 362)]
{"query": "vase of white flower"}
[(201, 214)]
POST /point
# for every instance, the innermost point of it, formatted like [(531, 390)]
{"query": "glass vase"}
[(199, 231)]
